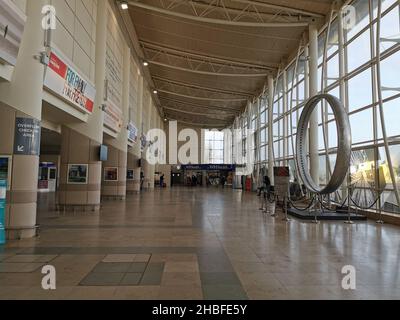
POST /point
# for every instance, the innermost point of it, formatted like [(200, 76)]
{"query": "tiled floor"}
[(198, 244)]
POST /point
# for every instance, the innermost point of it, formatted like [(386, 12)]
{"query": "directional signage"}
[(132, 133), (27, 136), (209, 167), (3, 191), (67, 83)]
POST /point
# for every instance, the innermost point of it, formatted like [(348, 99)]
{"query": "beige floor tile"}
[(174, 267), (181, 279), (120, 258), (180, 293), (142, 258), (137, 293), (19, 267)]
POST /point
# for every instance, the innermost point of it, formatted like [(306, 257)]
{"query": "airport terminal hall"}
[(200, 150)]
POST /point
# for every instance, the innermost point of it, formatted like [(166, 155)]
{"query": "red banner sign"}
[(64, 81)]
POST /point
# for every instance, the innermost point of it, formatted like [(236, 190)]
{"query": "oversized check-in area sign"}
[(27, 136)]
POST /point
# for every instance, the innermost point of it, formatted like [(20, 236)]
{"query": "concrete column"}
[(134, 153), (139, 121), (285, 118), (133, 186), (22, 97), (152, 125), (313, 132), (80, 142), (271, 159), (146, 126), (342, 83), (118, 148)]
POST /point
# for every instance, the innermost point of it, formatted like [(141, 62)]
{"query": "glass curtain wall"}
[(370, 172)]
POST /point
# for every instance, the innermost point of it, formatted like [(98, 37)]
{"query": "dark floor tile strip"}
[(107, 250), (127, 226)]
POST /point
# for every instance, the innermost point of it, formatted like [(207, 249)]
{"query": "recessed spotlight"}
[(124, 5), (145, 63), (155, 91)]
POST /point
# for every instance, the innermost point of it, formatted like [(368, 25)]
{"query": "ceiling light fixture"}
[(124, 5), (145, 63), (155, 91)]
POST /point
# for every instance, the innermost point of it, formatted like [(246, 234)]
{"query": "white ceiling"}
[(208, 57)]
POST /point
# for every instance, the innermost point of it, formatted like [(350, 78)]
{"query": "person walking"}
[(162, 181), (223, 181)]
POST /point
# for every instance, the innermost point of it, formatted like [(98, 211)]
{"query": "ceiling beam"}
[(196, 105), (211, 116), (280, 7), (203, 98), (195, 86), (203, 125), (207, 58), (208, 73), (293, 24)]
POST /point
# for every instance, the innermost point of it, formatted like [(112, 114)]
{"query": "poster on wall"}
[(130, 175), (77, 174), (113, 117), (27, 136), (132, 133), (68, 84), (110, 174), (12, 25), (5, 167)]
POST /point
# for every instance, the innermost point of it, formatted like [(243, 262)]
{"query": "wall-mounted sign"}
[(209, 167), (27, 136), (3, 193), (113, 117), (12, 24), (67, 83), (282, 180), (143, 142), (110, 174), (132, 133), (77, 174), (130, 175)]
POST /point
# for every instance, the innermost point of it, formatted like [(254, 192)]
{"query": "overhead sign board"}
[(27, 136), (113, 117), (132, 133), (209, 167), (68, 84)]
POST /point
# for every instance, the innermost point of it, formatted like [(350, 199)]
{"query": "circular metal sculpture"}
[(343, 150)]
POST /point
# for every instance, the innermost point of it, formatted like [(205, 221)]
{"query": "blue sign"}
[(3, 192), (132, 133), (209, 167)]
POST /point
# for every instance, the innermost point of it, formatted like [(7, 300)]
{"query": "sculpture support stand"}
[(285, 211), (348, 221)]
